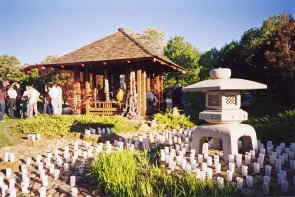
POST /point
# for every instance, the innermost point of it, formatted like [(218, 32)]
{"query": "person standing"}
[(6, 86), (25, 103), (12, 94), (2, 101), (33, 99), (47, 101), (19, 91), (55, 96), (60, 100)]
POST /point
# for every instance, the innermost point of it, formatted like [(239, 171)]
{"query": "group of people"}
[(17, 102)]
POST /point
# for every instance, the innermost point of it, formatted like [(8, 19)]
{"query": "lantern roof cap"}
[(222, 81)]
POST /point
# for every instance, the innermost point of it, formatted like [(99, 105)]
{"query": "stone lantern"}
[(223, 113)]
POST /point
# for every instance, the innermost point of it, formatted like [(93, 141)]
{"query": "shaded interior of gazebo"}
[(116, 63)]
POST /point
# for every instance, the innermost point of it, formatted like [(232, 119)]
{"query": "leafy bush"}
[(172, 119), (278, 127), (50, 126), (131, 174), (262, 104)]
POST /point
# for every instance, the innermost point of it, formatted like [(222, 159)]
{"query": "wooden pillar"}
[(143, 93), (148, 83), (94, 80), (106, 84), (90, 81), (87, 89), (94, 87), (111, 83), (161, 88), (158, 92), (127, 81), (77, 99), (85, 73), (77, 91), (116, 85), (76, 73), (138, 90), (81, 74)]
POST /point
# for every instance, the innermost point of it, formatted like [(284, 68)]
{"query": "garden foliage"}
[(69, 125), (129, 173), (172, 119), (278, 127)]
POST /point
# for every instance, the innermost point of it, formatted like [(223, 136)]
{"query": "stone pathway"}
[(45, 148), (49, 157)]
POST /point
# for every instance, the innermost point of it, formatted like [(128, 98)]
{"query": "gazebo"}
[(116, 63)]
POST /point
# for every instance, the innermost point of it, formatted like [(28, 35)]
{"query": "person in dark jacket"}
[(20, 92), (6, 85), (2, 101)]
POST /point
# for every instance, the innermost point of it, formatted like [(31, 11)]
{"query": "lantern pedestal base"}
[(229, 135)]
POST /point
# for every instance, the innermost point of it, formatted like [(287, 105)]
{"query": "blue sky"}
[(34, 29)]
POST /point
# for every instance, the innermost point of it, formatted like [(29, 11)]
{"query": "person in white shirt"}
[(33, 99), (55, 95), (60, 99), (12, 94)]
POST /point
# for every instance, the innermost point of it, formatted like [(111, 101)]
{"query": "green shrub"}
[(278, 127), (50, 126), (263, 104), (131, 174), (172, 119)]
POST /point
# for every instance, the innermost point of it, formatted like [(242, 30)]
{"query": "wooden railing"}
[(105, 107)]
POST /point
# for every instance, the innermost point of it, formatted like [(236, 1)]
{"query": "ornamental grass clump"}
[(115, 173), (127, 173)]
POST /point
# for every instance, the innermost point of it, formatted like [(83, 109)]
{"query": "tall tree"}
[(281, 54), (265, 54), (209, 60), (280, 57), (50, 59), (10, 69), (185, 55), (151, 37)]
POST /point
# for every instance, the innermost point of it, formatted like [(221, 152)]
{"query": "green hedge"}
[(279, 127), (50, 126)]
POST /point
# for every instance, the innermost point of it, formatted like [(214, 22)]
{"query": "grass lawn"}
[(4, 139)]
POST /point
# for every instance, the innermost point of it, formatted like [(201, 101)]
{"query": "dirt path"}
[(8, 134)]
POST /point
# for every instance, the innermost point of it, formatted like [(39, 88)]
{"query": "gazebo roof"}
[(119, 46)]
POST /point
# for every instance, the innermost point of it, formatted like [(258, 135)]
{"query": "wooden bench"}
[(105, 108)]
